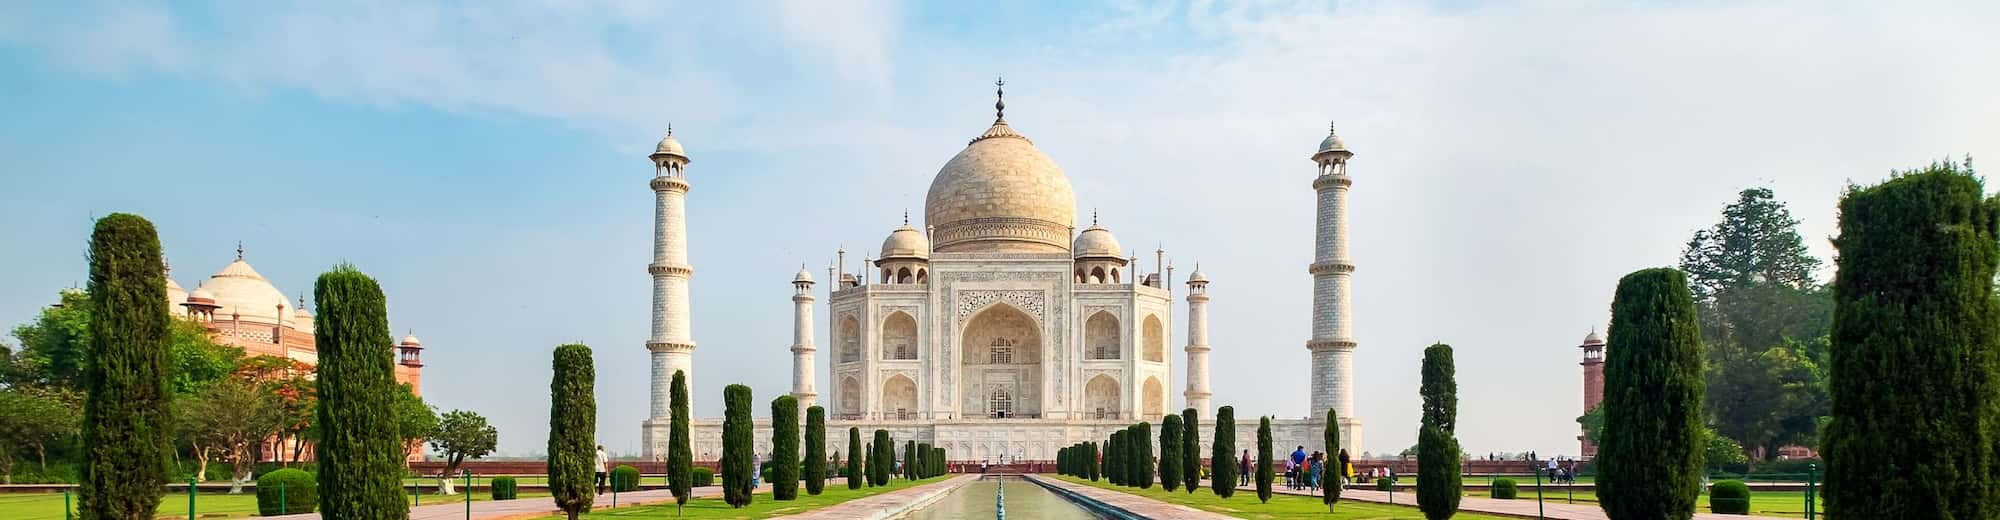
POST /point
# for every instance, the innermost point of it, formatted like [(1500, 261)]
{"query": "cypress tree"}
[(1062, 461), (572, 445), (1332, 475), (815, 460), (868, 468), (126, 435), (680, 450), (884, 463), (784, 475), (1112, 473), (1091, 466), (854, 457), (1142, 445), (359, 452), (1914, 329), (1264, 475), (1222, 454), (1438, 478), (909, 460), (739, 458), (1650, 464), (1170, 452), (924, 456), (1190, 450)]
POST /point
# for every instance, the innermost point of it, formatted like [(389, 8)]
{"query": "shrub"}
[(126, 402), (854, 458), (1191, 469), (503, 488), (300, 493), (1729, 497), (1264, 473), (815, 458), (572, 429), (1649, 465), (1384, 484), (1170, 453), (738, 459), (784, 472), (624, 478), (1222, 454), (701, 477), (1505, 489)]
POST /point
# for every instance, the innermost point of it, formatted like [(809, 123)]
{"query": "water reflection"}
[(1025, 500)]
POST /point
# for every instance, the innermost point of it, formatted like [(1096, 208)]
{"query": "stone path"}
[(1516, 508), (1135, 504), (885, 505), (532, 507)]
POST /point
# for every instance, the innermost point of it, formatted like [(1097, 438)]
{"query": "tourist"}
[(757, 471), (1298, 459), (603, 468), (1346, 468), (1243, 473)]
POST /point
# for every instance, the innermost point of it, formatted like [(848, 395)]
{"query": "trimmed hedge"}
[(503, 488), (624, 479), (300, 491), (1729, 497), (701, 477), (1384, 484), (1505, 489)]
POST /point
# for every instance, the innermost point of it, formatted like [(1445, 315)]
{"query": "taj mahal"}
[(999, 331)]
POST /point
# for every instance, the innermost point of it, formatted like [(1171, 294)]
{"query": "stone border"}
[(1121, 504), (887, 505)]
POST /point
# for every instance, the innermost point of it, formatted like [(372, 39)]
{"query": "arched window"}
[(1001, 352), (850, 340), (903, 275), (1100, 336), (1156, 340), (1096, 275), (1114, 275), (899, 336), (1001, 404), (922, 275)]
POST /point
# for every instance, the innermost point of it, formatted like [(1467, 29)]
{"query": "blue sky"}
[(486, 162)]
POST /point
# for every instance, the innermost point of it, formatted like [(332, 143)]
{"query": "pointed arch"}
[(923, 275), (1114, 276), (899, 398), (899, 336), (1000, 349), (903, 275), (850, 395), (1154, 399), (1101, 336), (1155, 336), (1096, 274), (1100, 397), (850, 339)]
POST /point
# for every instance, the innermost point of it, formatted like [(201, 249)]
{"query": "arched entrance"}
[(1001, 363)]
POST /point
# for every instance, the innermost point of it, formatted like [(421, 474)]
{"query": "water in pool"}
[(1024, 500)]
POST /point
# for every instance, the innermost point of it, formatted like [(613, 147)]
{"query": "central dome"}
[(1000, 194)]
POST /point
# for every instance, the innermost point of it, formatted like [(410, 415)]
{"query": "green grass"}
[(1244, 505), (49, 506), (1768, 503), (761, 505)]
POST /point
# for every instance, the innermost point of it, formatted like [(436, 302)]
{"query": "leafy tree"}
[(1722, 453), (232, 416), (416, 420), (680, 450), (359, 452), (1752, 282), (784, 474), (1264, 474), (291, 382), (1190, 450), (1915, 327), (196, 360), (33, 418), (1332, 439), (1170, 452), (126, 409), (739, 460), (1439, 483), (572, 443), (53, 346), (461, 435), (1222, 454), (1593, 424), (815, 459), (1650, 463), (854, 457)]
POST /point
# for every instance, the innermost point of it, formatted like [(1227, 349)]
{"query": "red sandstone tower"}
[(1593, 382)]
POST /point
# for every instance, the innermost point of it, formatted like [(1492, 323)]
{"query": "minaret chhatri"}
[(1197, 348), (1332, 343), (672, 341), (1593, 383), (802, 340)]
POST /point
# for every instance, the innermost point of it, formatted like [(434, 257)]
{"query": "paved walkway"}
[(886, 505), (1516, 508), (1135, 504), (532, 507)]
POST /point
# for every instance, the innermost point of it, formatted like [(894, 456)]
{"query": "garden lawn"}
[(1765, 503), (1244, 504), (761, 505), (49, 506)]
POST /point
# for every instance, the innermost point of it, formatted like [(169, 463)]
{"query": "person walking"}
[(1346, 468), (1298, 459), (603, 468)]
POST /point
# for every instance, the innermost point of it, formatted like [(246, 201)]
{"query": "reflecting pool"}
[(1025, 500)]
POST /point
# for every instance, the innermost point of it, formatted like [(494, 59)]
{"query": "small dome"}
[(175, 295), (670, 146), (904, 242), (804, 275), (1096, 241), (1332, 143), (1197, 276), (201, 294), (410, 340), (240, 291), (1593, 338)]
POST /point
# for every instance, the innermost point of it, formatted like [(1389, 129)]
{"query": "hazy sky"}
[(486, 161)]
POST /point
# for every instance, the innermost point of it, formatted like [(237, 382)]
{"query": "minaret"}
[(1197, 347), (802, 339), (1332, 343), (672, 341), (1593, 382)]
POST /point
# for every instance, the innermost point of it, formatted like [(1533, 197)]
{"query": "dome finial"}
[(1329, 128), (670, 129), (1093, 216), (999, 99), (239, 250), (906, 216)]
